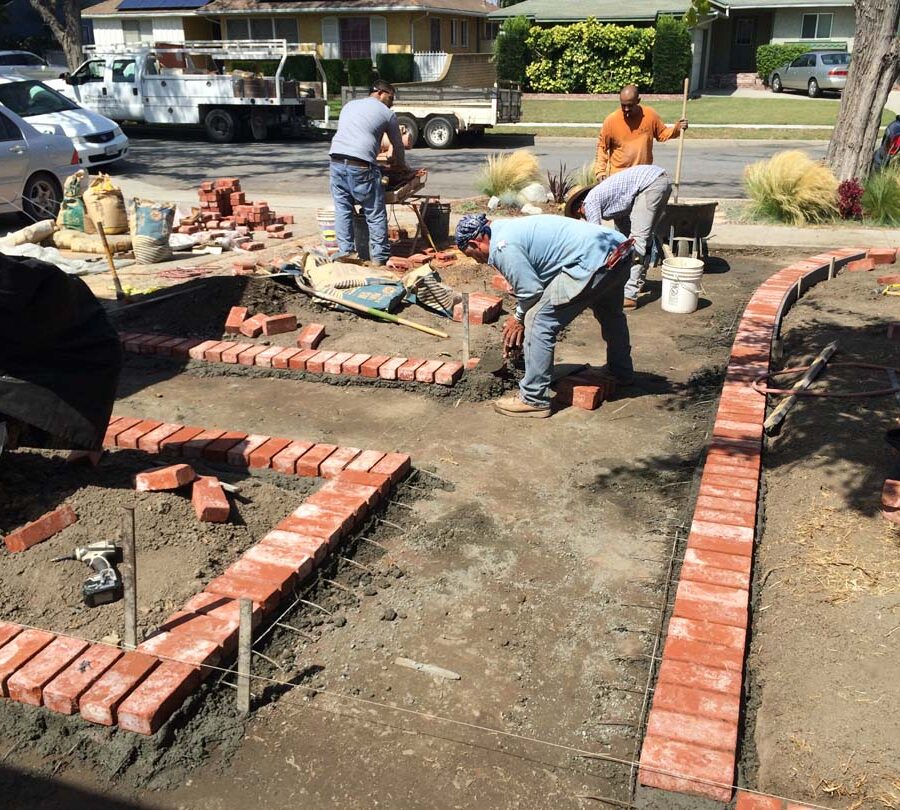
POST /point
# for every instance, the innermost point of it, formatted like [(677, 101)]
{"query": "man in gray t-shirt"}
[(355, 176)]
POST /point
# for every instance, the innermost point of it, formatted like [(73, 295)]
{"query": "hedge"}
[(769, 57), (336, 74), (672, 55), (395, 67), (589, 57), (359, 72), (511, 53)]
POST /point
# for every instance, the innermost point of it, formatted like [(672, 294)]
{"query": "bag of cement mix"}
[(150, 224), (33, 234), (103, 203), (67, 239), (71, 212)]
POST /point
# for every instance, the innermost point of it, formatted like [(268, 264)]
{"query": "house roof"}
[(462, 7), (773, 4), (573, 10)]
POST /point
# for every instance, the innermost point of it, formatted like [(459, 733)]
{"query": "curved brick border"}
[(692, 728)]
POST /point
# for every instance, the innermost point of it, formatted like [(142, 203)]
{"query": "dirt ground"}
[(534, 567), (826, 624)]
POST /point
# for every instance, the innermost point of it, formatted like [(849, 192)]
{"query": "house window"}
[(263, 28), (355, 40), (491, 30), (87, 32), (459, 33), (135, 31), (816, 26), (435, 35)]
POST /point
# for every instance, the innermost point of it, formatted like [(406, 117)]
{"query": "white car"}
[(29, 65), (98, 140), (33, 167)]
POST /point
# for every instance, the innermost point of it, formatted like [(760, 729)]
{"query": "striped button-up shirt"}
[(615, 195)]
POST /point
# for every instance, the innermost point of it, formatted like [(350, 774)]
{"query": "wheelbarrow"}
[(684, 227)]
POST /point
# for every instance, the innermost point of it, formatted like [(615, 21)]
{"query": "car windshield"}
[(17, 58), (33, 98), (835, 58)]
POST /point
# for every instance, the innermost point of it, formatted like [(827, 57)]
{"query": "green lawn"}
[(715, 133)]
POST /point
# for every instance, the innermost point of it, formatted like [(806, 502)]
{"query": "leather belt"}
[(350, 161)]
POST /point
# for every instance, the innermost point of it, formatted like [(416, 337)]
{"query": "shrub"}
[(672, 55), (881, 196), (849, 199), (508, 172), (395, 67), (584, 175), (336, 74), (792, 188), (560, 184), (360, 72), (589, 57), (769, 57), (511, 51)]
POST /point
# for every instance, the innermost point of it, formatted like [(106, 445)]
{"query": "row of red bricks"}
[(140, 689), (692, 729), (311, 361)]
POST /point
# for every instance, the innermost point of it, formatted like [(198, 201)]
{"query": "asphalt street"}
[(712, 168)]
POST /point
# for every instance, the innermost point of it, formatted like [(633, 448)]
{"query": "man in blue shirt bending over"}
[(557, 268), (355, 176)]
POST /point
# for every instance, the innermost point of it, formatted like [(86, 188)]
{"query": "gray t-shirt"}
[(361, 126)]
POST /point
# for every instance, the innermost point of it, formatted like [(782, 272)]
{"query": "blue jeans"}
[(554, 311), (360, 185)]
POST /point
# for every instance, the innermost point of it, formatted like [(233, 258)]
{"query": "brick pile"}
[(483, 308), (253, 326), (402, 259), (587, 389)]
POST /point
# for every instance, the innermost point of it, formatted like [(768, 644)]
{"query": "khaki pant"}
[(640, 222)]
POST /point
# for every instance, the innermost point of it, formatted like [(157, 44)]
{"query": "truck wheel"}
[(440, 133), (411, 127), (258, 127), (221, 125), (41, 196)]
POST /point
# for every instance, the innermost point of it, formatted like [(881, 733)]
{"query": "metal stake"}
[(465, 326), (245, 642), (831, 265), (129, 577)]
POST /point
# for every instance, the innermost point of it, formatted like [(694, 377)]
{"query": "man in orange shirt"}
[(627, 135)]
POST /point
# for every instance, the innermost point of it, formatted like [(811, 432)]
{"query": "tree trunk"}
[(873, 71), (64, 21)]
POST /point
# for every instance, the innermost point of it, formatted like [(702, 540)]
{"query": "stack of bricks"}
[(483, 308), (587, 389), (692, 727)]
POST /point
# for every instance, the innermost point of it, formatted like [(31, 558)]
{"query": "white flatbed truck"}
[(187, 84)]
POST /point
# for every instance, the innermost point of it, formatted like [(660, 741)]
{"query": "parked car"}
[(813, 72), (33, 167), (98, 140), (29, 65)]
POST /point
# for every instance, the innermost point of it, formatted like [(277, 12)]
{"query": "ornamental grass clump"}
[(881, 196), (507, 172), (790, 187)]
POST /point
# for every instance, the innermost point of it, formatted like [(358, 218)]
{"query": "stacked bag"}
[(88, 201)]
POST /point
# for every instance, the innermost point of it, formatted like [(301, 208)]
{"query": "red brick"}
[(388, 370), (101, 701), (730, 517), (395, 465), (18, 651), (710, 655), (310, 462), (158, 697), (890, 279), (261, 457), (860, 265), (365, 460), (717, 486), (293, 542), (129, 438), (236, 316), (714, 603), (707, 632), (217, 449), (713, 466), (239, 455), (220, 607), (149, 442), (699, 571), (152, 343), (334, 363), (267, 594), (214, 353), (222, 632), (344, 504), (26, 685), (311, 336), (316, 364), (298, 361), (116, 426), (9, 631), (165, 478), (248, 356), (361, 493), (425, 373), (279, 324), (63, 692), (253, 326), (281, 359), (381, 481), (698, 676), (336, 462), (199, 350), (685, 768), (231, 355), (499, 283), (298, 562), (448, 373), (184, 648), (727, 562), (314, 521), (370, 367), (284, 576), (354, 364), (671, 697), (286, 461), (209, 500), (174, 445), (265, 358), (721, 538), (41, 529), (167, 347), (751, 801), (579, 393), (407, 372), (703, 731)]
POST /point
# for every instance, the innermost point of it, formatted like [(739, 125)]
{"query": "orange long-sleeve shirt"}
[(623, 144)]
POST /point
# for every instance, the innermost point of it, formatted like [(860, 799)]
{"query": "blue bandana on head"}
[(470, 227)]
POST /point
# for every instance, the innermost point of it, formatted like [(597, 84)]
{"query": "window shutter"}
[(331, 41), (378, 35)]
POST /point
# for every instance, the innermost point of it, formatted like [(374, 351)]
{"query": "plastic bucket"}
[(325, 218), (681, 284)]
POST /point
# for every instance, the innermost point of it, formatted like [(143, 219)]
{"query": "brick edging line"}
[(691, 739), (139, 690)]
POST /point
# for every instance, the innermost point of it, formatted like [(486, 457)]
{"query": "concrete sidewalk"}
[(767, 235)]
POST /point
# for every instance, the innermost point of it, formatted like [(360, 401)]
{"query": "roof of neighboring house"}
[(462, 7), (773, 4), (573, 10)]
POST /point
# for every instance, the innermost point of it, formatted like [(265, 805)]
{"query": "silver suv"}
[(29, 65), (813, 72)]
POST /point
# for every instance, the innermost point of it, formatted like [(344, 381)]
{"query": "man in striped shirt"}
[(634, 199)]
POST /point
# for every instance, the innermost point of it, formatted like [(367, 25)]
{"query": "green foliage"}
[(301, 68), (697, 10), (510, 50), (672, 55), (791, 187), (881, 196), (336, 74), (360, 72), (769, 57), (590, 57), (395, 67)]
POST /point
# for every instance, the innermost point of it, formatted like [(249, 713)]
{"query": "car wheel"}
[(411, 127), (41, 196), (440, 133), (777, 86), (221, 125), (812, 89)]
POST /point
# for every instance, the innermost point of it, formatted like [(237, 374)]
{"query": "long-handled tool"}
[(375, 313), (677, 184), (120, 293)]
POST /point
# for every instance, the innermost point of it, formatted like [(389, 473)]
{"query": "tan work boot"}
[(512, 405)]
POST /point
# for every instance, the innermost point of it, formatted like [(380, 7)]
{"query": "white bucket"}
[(681, 284), (325, 219)]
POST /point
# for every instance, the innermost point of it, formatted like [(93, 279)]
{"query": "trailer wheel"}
[(258, 127), (411, 127), (221, 125), (440, 133)]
